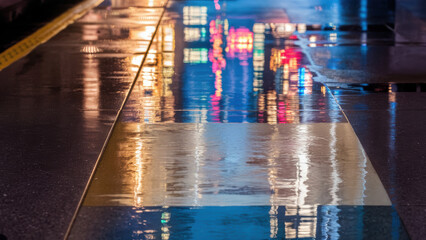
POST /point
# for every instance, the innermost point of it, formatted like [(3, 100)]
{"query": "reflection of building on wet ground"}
[(226, 120), (219, 58), (232, 47)]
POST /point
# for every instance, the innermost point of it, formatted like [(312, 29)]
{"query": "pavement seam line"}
[(315, 68), (43, 34), (74, 217), (363, 149)]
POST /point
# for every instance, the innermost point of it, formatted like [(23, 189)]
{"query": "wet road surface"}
[(233, 129)]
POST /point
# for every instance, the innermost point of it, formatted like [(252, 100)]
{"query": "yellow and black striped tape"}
[(43, 34)]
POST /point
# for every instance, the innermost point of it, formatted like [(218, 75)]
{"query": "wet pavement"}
[(227, 125), (57, 106), (393, 139), (267, 120)]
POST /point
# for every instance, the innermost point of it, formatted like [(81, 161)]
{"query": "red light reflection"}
[(240, 43)]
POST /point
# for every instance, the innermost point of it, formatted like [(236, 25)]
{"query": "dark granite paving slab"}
[(394, 142), (57, 106), (413, 224), (388, 121)]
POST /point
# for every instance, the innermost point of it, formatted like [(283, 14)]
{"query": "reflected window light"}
[(289, 27), (195, 55), (392, 94), (331, 26), (285, 87), (335, 178), (90, 31), (258, 62), (301, 28), (140, 47), (283, 30), (330, 224), (194, 34), (168, 60), (294, 77), (258, 65), (165, 236), (149, 236), (165, 217), (144, 34), (91, 91), (363, 11), (90, 49), (286, 71), (273, 222), (271, 102), (390, 87), (226, 27), (293, 64), (259, 28), (136, 62), (259, 39), (193, 15), (364, 39), (258, 56), (323, 90), (148, 82), (168, 38), (168, 63), (150, 29), (308, 83), (333, 37), (303, 223), (151, 58), (276, 59), (191, 34)]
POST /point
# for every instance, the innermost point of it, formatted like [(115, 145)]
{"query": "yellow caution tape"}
[(43, 34)]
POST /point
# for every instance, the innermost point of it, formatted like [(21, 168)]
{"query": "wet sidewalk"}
[(57, 106), (246, 120), (228, 135)]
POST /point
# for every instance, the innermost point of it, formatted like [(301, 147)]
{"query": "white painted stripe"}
[(235, 165)]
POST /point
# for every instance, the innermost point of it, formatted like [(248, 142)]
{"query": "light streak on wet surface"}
[(227, 135), (235, 164)]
